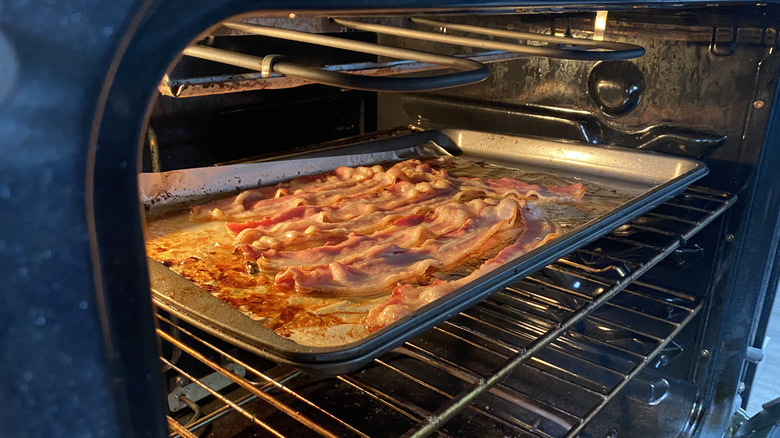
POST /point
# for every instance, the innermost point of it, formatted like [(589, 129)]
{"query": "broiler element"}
[(277, 72)]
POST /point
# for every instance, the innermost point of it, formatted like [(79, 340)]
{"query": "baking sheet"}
[(632, 181)]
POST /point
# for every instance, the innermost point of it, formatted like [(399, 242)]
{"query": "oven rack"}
[(277, 72), (541, 358)]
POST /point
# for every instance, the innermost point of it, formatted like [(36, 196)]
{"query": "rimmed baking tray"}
[(648, 179)]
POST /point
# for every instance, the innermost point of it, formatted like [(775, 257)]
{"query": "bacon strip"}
[(408, 231), (344, 184), (505, 186), (358, 232), (407, 298), (382, 266)]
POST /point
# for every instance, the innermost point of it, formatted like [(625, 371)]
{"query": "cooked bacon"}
[(380, 267), (407, 298), (408, 231), (360, 232), (344, 183), (505, 186)]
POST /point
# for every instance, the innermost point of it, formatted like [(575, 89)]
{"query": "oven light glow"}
[(600, 26)]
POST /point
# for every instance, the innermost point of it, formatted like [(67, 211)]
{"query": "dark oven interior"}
[(650, 330), (581, 347)]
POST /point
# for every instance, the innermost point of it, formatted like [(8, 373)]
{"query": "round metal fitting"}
[(616, 87), (729, 237), (705, 353), (759, 104)]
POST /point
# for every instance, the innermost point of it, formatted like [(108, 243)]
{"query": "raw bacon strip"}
[(365, 212), (383, 266), (344, 183), (407, 232), (506, 185), (380, 268), (223, 209), (407, 298), (332, 224)]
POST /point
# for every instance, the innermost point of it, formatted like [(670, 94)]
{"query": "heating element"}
[(541, 358)]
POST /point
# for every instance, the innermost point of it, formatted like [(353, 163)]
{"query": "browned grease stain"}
[(203, 254)]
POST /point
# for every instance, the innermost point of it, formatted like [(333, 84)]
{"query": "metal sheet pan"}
[(650, 178)]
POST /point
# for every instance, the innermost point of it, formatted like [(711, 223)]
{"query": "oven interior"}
[(622, 335)]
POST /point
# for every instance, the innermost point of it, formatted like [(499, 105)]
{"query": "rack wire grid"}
[(540, 358)]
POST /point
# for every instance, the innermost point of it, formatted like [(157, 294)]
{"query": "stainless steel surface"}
[(619, 168), (608, 51), (552, 390)]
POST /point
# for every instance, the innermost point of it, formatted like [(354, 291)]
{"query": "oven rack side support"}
[(521, 351)]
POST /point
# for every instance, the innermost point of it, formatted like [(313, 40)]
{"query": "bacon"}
[(382, 266), (407, 298), (365, 231), (343, 184), (408, 231), (505, 186)]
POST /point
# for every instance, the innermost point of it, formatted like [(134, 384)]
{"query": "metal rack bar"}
[(250, 386), (663, 343), (235, 83), (276, 73), (470, 71), (607, 50), (450, 409), (271, 64), (518, 342), (513, 34), (223, 398), (243, 383), (465, 375)]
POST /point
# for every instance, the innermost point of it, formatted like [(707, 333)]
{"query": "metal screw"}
[(704, 353), (179, 381), (758, 104), (729, 237)]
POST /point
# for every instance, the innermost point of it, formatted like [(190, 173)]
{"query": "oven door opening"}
[(265, 130)]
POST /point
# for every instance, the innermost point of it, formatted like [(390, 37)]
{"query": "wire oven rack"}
[(541, 358), (277, 72)]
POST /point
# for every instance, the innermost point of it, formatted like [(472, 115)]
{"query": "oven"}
[(652, 326)]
